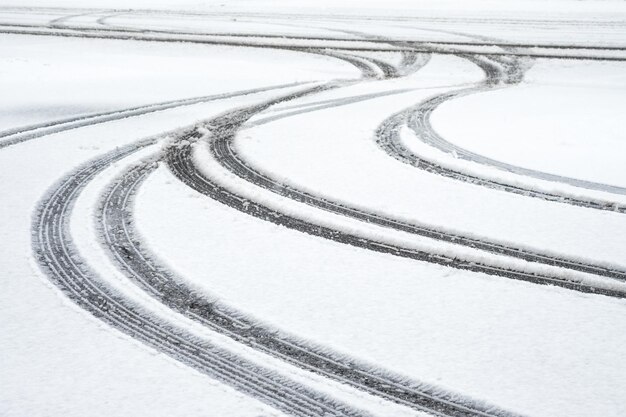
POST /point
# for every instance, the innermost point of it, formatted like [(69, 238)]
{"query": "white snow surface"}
[(530, 349)]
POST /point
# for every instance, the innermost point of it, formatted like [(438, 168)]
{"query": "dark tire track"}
[(178, 158), (497, 73), (66, 268), (59, 258), (224, 128), (118, 233), (230, 159)]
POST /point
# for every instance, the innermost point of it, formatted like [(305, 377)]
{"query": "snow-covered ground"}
[(261, 208)]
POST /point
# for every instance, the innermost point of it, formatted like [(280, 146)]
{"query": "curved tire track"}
[(179, 158), (279, 42), (417, 118), (59, 258), (230, 159), (140, 266), (26, 133), (224, 128)]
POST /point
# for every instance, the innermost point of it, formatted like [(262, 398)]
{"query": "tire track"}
[(367, 67), (140, 266), (420, 121), (418, 118), (117, 230), (59, 258), (21, 134), (365, 64), (224, 128), (111, 13), (322, 105), (25, 133), (103, 33), (333, 17), (230, 159), (67, 270), (280, 42), (407, 41), (14, 136), (178, 158), (508, 73)]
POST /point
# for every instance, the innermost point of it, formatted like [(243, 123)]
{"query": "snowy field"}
[(314, 208)]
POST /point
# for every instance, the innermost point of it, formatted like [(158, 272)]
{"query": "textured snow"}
[(535, 350)]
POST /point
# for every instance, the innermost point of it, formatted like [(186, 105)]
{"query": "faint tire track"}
[(286, 42), (65, 267), (230, 159), (25, 133), (420, 122), (333, 17)]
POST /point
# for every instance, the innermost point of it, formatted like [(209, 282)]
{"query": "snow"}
[(57, 359), (530, 349), (452, 161)]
